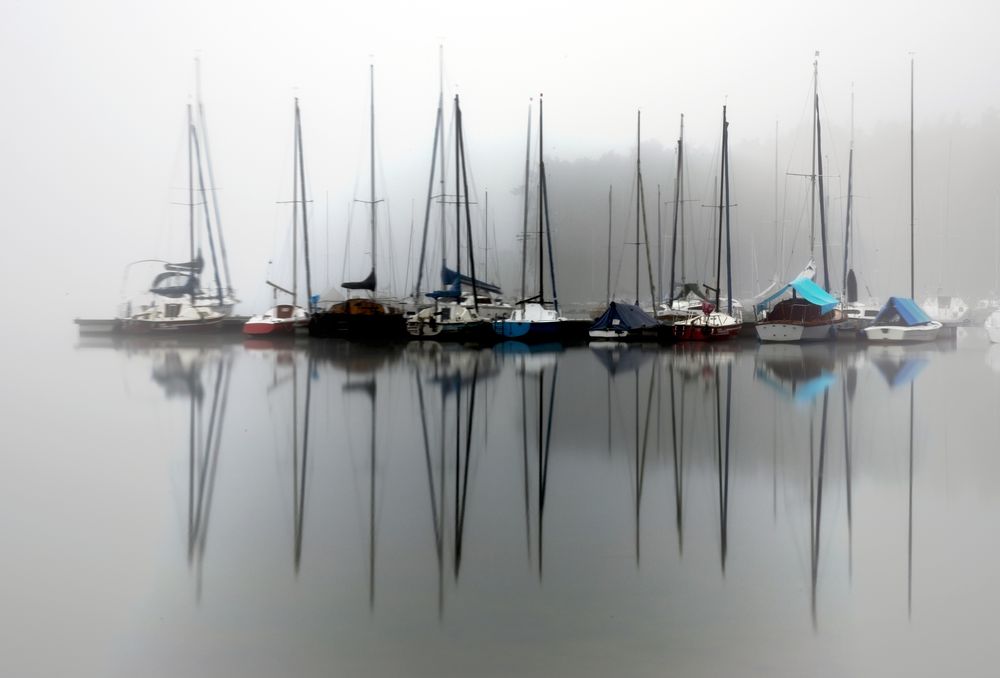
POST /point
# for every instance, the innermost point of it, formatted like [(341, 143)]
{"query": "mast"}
[(190, 126), (468, 217), (850, 181), (486, 237), (305, 221), (912, 249), (822, 200), (541, 211), (458, 195), (812, 166), (295, 208), (638, 191), (208, 220), (524, 229), (544, 212), (442, 178), (641, 197), (659, 246), (608, 285), (438, 131), (729, 243), (677, 202), (371, 81), (722, 201), (211, 174)]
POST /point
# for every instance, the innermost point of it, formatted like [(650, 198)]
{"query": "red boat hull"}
[(706, 333), (271, 329)]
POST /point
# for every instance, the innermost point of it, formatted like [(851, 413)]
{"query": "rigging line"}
[(208, 221), (409, 252), (211, 180)]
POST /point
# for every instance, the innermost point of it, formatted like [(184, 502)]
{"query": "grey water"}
[(216, 507)]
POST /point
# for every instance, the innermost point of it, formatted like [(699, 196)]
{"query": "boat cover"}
[(904, 310), (454, 291), (175, 285), (806, 289), (900, 372), (448, 277), (626, 317)]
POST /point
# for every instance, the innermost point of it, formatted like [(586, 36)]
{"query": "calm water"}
[(229, 508)]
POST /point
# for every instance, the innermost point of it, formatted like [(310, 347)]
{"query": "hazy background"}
[(92, 145)]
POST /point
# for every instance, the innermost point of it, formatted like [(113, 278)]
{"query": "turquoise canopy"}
[(806, 289)]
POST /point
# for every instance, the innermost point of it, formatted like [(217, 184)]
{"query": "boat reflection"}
[(670, 416), (202, 376)]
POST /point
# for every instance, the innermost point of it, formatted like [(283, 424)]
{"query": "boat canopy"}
[(621, 316), (174, 285), (901, 310), (449, 276), (806, 289)]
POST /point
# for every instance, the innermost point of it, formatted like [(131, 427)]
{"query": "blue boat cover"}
[(905, 309), (628, 317), (449, 276), (899, 373), (453, 292), (806, 289), (800, 392)]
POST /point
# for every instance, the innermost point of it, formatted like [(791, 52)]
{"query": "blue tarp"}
[(901, 310), (806, 289), (628, 317)]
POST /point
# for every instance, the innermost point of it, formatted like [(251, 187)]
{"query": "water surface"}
[(220, 507)]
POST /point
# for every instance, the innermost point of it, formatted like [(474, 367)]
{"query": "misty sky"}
[(92, 141)]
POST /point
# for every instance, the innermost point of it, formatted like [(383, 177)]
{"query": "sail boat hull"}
[(791, 332), (359, 320), (280, 320), (712, 326), (901, 334), (172, 318)]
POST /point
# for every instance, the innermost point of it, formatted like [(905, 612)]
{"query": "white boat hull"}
[(791, 332), (992, 326), (899, 334)]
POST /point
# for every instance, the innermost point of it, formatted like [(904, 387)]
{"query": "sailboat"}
[(537, 320), (178, 302), (453, 317), (287, 318), (713, 324), (362, 318), (628, 322), (811, 313), (901, 320)]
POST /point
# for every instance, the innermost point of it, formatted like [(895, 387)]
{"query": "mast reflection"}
[(180, 373)]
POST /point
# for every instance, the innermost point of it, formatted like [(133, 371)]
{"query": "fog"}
[(93, 140)]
